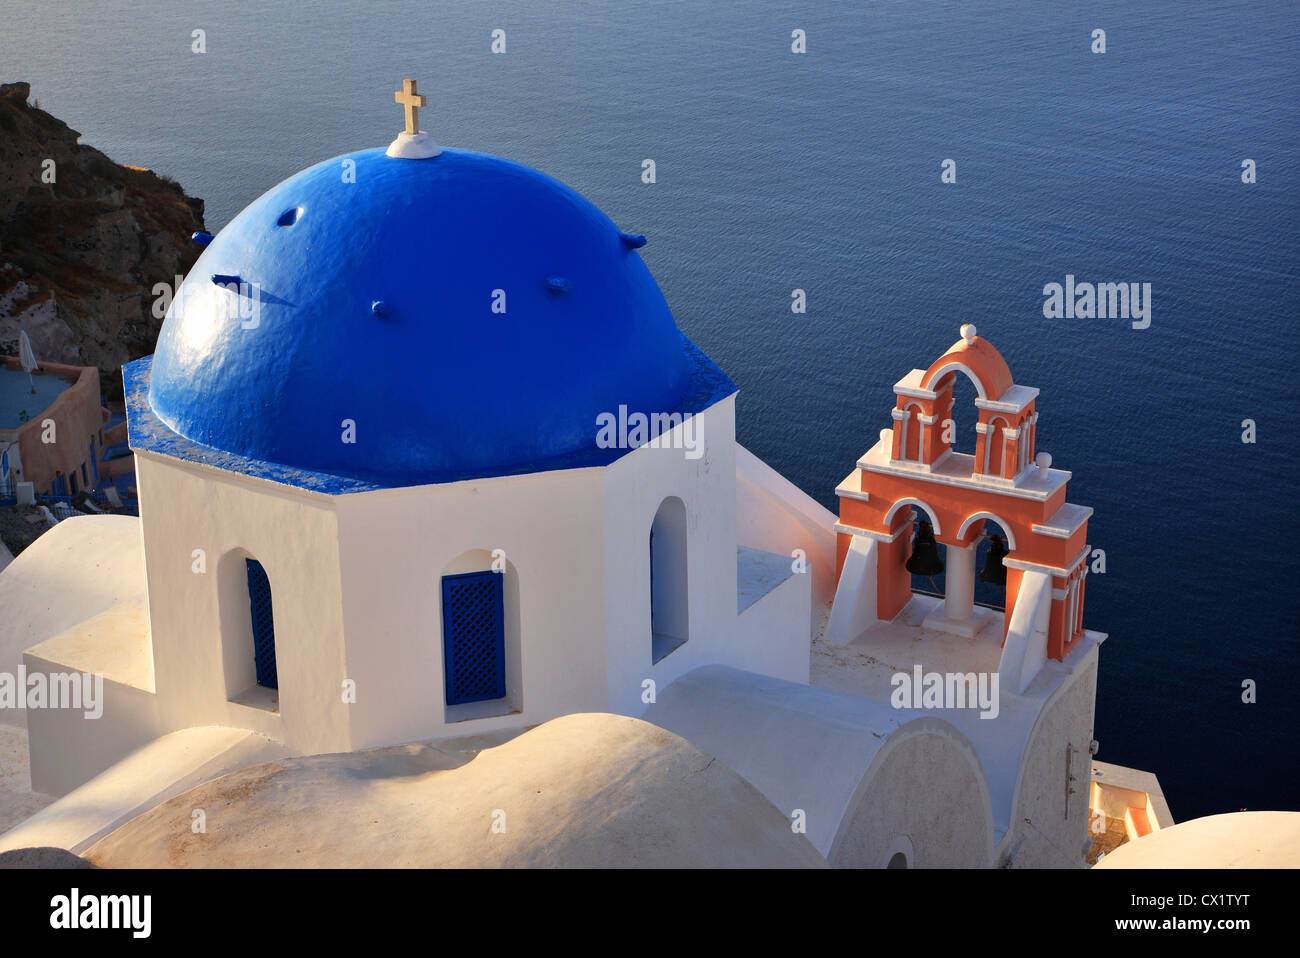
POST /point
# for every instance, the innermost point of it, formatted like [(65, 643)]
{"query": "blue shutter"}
[(473, 637), (259, 605)]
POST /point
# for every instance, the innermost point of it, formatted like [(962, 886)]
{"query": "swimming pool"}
[(17, 401)]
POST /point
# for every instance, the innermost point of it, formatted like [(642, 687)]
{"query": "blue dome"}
[(369, 291)]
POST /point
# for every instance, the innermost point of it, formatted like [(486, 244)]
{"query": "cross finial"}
[(412, 102), (411, 144)]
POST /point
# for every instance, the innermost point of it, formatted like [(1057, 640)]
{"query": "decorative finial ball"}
[(968, 333), (1043, 461), (887, 436)]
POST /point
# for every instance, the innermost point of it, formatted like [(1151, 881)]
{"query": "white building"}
[(392, 490)]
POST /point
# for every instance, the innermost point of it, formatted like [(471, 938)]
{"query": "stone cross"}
[(412, 102)]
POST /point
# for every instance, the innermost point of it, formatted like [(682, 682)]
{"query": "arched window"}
[(669, 608), (263, 624), (247, 618)]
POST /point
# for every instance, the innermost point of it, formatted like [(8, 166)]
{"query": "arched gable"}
[(978, 516), (979, 360), (923, 506)]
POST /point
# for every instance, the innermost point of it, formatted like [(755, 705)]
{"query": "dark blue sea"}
[(821, 172)]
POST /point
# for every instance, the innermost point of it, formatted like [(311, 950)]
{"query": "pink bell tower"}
[(914, 467)]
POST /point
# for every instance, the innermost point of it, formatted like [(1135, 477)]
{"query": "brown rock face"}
[(79, 256)]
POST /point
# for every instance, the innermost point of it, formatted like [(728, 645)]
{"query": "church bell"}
[(994, 571), (924, 559)]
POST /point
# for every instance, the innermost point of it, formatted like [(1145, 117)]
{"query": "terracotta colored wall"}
[(953, 505), (116, 467), (942, 411), (1055, 643), (893, 581)]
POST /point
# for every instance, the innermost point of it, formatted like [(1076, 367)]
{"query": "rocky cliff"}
[(83, 240)]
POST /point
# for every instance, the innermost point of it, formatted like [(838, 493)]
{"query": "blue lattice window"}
[(259, 605), (473, 637)]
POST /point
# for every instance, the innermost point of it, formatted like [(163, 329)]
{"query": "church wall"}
[(103, 555), (356, 584), (635, 486), (67, 749), (395, 546), (924, 791), (775, 515), (1057, 827), (184, 508), (777, 628)]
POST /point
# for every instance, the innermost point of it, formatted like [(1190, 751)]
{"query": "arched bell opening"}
[(991, 548), (992, 541), (967, 574), (924, 556), (958, 419)]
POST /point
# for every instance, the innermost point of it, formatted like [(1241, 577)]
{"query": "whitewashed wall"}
[(294, 534), (634, 488), (1059, 828), (395, 546), (356, 585)]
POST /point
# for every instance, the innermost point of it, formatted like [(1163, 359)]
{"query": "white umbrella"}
[(26, 356)]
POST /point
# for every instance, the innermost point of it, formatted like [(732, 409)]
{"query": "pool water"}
[(23, 397)]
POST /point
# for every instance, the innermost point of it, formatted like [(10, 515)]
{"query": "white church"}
[(422, 457)]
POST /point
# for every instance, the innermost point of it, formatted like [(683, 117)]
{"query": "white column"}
[(959, 583)]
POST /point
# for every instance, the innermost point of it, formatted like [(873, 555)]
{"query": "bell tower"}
[(912, 493)]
